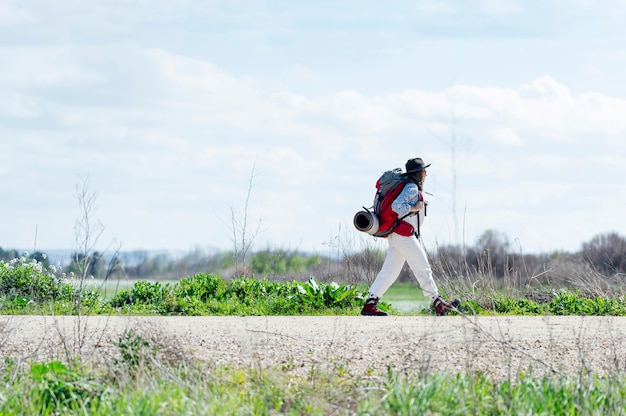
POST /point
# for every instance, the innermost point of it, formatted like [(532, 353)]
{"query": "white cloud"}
[(547, 89), (507, 136), (19, 105), (434, 7), (43, 67), (13, 14), (543, 109), (500, 7)]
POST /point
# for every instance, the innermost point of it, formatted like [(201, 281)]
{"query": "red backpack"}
[(382, 220), (388, 187)]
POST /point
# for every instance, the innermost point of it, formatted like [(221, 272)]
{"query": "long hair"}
[(416, 178)]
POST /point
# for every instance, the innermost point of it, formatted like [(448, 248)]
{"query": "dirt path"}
[(498, 346)]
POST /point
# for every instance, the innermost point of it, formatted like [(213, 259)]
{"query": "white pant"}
[(403, 249)]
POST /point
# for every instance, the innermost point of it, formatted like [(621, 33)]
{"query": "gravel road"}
[(496, 346)]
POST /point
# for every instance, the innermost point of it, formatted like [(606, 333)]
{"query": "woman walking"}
[(405, 246)]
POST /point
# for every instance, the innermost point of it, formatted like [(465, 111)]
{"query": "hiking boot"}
[(371, 308), (442, 307)]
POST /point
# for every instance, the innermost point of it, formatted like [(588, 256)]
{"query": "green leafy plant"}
[(517, 306), (58, 387), (152, 296), (247, 289), (202, 287), (135, 351), (572, 303), (331, 295), (28, 280)]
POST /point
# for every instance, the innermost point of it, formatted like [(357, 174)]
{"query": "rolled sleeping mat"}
[(366, 221)]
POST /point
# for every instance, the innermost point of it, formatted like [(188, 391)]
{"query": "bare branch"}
[(242, 238), (86, 232)]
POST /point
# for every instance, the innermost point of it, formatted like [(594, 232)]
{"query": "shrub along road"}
[(500, 347)]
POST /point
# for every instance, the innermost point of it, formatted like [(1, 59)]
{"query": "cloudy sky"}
[(180, 113)]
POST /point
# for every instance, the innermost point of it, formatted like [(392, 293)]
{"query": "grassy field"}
[(406, 298), (144, 381)]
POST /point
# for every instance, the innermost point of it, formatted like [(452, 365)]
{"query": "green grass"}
[(153, 387), (406, 298), (403, 291)]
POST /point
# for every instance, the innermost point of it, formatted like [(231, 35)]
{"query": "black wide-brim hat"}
[(415, 165)]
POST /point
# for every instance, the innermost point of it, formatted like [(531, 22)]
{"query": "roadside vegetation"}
[(143, 381), (27, 287), (488, 278), (148, 376)]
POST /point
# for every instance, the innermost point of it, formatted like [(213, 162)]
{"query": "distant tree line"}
[(275, 264), (491, 254)]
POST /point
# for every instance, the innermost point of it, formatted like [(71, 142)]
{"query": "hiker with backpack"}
[(399, 206)]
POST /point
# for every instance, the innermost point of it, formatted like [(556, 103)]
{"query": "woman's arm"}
[(408, 200)]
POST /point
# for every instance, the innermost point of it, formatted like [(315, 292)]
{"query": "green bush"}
[(248, 289), (202, 287), (144, 296), (572, 303), (24, 281), (269, 297), (149, 293), (517, 306), (205, 294), (202, 294), (563, 302)]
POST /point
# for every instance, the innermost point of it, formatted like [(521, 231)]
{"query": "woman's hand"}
[(417, 207)]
